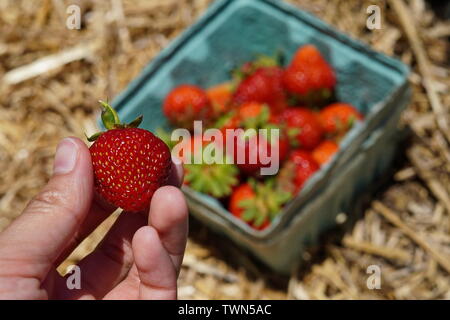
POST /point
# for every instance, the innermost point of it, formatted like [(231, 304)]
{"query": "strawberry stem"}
[(93, 137), (111, 120), (110, 117)]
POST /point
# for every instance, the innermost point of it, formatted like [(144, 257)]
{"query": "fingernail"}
[(66, 156)]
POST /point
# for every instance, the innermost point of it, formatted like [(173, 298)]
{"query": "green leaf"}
[(260, 121), (259, 220), (292, 134), (224, 119), (214, 179), (93, 137), (326, 93), (249, 215), (280, 57), (136, 122), (265, 61), (110, 117), (293, 100), (351, 121)]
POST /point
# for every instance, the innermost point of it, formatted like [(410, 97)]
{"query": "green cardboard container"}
[(234, 31)]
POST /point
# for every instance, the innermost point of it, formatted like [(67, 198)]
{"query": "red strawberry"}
[(338, 118), (250, 115), (249, 148), (250, 151), (129, 163), (263, 86), (310, 55), (250, 110), (309, 75), (202, 172), (220, 97), (257, 203), (324, 151), (187, 103), (303, 127), (297, 170), (206, 175)]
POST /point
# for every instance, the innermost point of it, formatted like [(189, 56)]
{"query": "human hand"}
[(139, 258)]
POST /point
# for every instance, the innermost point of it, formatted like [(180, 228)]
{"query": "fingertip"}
[(147, 248), (85, 154), (82, 147), (71, 155), (78, 141), (168, 207), (169, 193), (144, 237)]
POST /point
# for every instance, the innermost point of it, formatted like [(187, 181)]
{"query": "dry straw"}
[(405, 231)]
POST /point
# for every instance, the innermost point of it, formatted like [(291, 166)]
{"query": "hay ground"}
[(405, 230)]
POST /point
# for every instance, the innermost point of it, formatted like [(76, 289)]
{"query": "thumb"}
[(40, 234)]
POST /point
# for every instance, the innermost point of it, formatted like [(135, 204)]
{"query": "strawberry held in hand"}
[(129, 163)]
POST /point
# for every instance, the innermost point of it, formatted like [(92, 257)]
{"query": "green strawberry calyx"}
[(252, 125), (267, 203), (110, 120), (261, 121), (261, 61), (224, 119), (215, 179)]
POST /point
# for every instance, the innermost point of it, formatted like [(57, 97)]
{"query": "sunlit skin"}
[(140, 257)]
